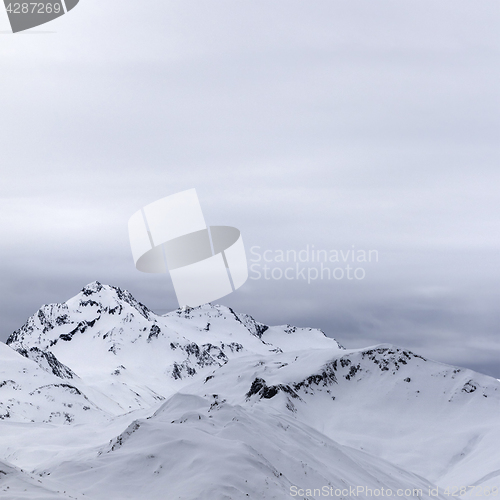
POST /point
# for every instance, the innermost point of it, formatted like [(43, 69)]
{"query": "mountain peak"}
[(107, 298), (93, 287), (95, 304)]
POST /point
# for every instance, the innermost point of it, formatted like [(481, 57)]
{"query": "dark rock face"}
[(260, 387), (254, 327), (47, 361), (154, 332), (325, 378), (200, 356), (469, 387), (180, 369)]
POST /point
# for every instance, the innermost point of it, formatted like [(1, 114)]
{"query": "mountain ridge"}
[(104, 361)]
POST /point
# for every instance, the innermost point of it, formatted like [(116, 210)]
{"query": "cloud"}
[(324, 124)]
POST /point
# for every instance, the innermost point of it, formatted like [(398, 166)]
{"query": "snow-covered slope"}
[(16, 484), (117, 402), (195, 448), (30, 394), (386, 401)]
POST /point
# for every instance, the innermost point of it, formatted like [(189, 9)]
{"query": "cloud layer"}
[(322, 123)]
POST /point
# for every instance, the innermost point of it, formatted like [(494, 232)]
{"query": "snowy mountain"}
[(16, 484), (29, 394), (136, 358), (101, 398)]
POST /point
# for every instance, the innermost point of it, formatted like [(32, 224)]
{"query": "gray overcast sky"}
[(325, 123)]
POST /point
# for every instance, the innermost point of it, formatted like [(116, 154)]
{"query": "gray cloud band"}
[(205, 263)]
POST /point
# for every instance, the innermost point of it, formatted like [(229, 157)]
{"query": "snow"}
[(106, 400), (225, 451)]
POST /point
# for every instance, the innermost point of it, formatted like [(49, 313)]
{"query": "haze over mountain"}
[(100, 398)]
